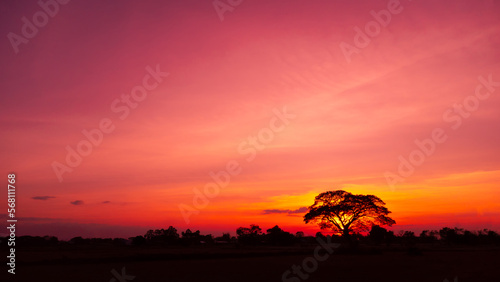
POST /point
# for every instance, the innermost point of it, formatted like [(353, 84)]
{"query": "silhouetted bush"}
[(224, 239), (138, 240), (78, 241), (276, 236), (378, 235), (37, 240), (320, 235), (119, 242), (428, 236)]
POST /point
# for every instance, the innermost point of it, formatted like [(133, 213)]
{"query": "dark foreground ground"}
[(232, 264)]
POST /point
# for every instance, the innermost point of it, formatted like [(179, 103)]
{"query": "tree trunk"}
[(349, 240)]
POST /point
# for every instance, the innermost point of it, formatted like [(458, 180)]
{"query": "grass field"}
[(230, 263)]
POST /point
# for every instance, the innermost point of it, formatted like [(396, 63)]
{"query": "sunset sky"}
[(231, 77)]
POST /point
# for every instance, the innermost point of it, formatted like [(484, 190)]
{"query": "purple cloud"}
[(299, 210), (43, 198)]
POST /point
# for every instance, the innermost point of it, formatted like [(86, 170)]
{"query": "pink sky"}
[(226, 78)]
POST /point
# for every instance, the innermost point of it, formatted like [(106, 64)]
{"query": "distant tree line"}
[(253, 236)]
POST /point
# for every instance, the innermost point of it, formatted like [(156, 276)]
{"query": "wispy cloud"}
[(43, 198), (77, 203), (34, 219), (299, 210)]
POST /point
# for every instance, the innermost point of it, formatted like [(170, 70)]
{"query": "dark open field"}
[(231, 263)]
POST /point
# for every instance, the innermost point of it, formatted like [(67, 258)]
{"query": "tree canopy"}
[(345, 213)]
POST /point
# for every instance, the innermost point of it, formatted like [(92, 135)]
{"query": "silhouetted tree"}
[(390, 237), (78, 240), (51, 240), (428, 236), (249, 235), (254, 229), (138, 240), (450, 235), (119, 242), (226, 237), (378, 234), (27, 240), (190, 238), (488, 236), (190, 234), (468, 237), (409, 238), (345, 213), (169, 235), (320, 235), (150, 234), (207, 239), (276, 236)]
